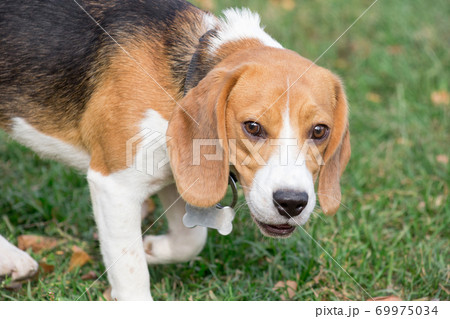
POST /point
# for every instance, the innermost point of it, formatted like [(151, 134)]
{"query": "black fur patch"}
[(47, 50), (52, 54)]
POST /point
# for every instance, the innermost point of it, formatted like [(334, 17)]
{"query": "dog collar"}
[(219, 217), (232, 181), (201, 61)]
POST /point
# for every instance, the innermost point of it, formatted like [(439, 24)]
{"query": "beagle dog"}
[(91, 83)]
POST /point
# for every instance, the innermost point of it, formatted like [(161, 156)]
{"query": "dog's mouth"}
[(283, 230)]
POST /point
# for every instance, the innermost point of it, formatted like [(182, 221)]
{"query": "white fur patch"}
[(151, 159), (117, 201), (210, 21), (15, 262), (286, 169), (48, 146), (238, 24), (179, 244)]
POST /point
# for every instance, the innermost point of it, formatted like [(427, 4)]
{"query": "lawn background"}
[(392, 232)]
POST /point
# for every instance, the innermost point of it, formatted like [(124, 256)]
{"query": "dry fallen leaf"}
[(79, 258), (151, 205), (285, 4), (440, 97), (442, 159), (13, 286), (403, 141), (439, 200), (268, 260), (289, 287), (443, 288), (373, 97), (147, 208), (342, 63), (47, 268), (91, 275), (386, 298), (212, 295), (106, 295), (395, 49), (36, 243)]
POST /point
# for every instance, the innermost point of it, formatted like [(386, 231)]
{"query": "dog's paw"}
[(166, 249), (16, 263), (157, 249)]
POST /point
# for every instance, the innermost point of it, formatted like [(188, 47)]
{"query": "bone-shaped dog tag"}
[(211, 217)]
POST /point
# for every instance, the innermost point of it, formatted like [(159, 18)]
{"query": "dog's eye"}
[(254, 128), (319, 132)]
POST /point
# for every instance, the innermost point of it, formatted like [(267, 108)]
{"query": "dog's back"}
[(53, 53)]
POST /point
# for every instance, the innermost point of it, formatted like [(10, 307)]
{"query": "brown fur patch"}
[(129, 88)]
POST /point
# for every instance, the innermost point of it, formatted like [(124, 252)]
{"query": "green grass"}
[(392, 235)]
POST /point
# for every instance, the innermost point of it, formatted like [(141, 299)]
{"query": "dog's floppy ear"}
[(336, 156), (197, 141)]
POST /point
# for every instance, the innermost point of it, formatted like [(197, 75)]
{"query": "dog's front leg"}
[(117, 202)]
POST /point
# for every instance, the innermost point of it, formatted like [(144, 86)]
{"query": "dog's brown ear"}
[(336, 156), (197, 139)]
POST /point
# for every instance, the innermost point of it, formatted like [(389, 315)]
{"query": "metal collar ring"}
[(232, 180)]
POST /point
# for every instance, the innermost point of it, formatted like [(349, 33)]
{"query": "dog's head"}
[(280, 121)]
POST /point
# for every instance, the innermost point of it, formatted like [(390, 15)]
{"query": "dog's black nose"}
[(290, 203)]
